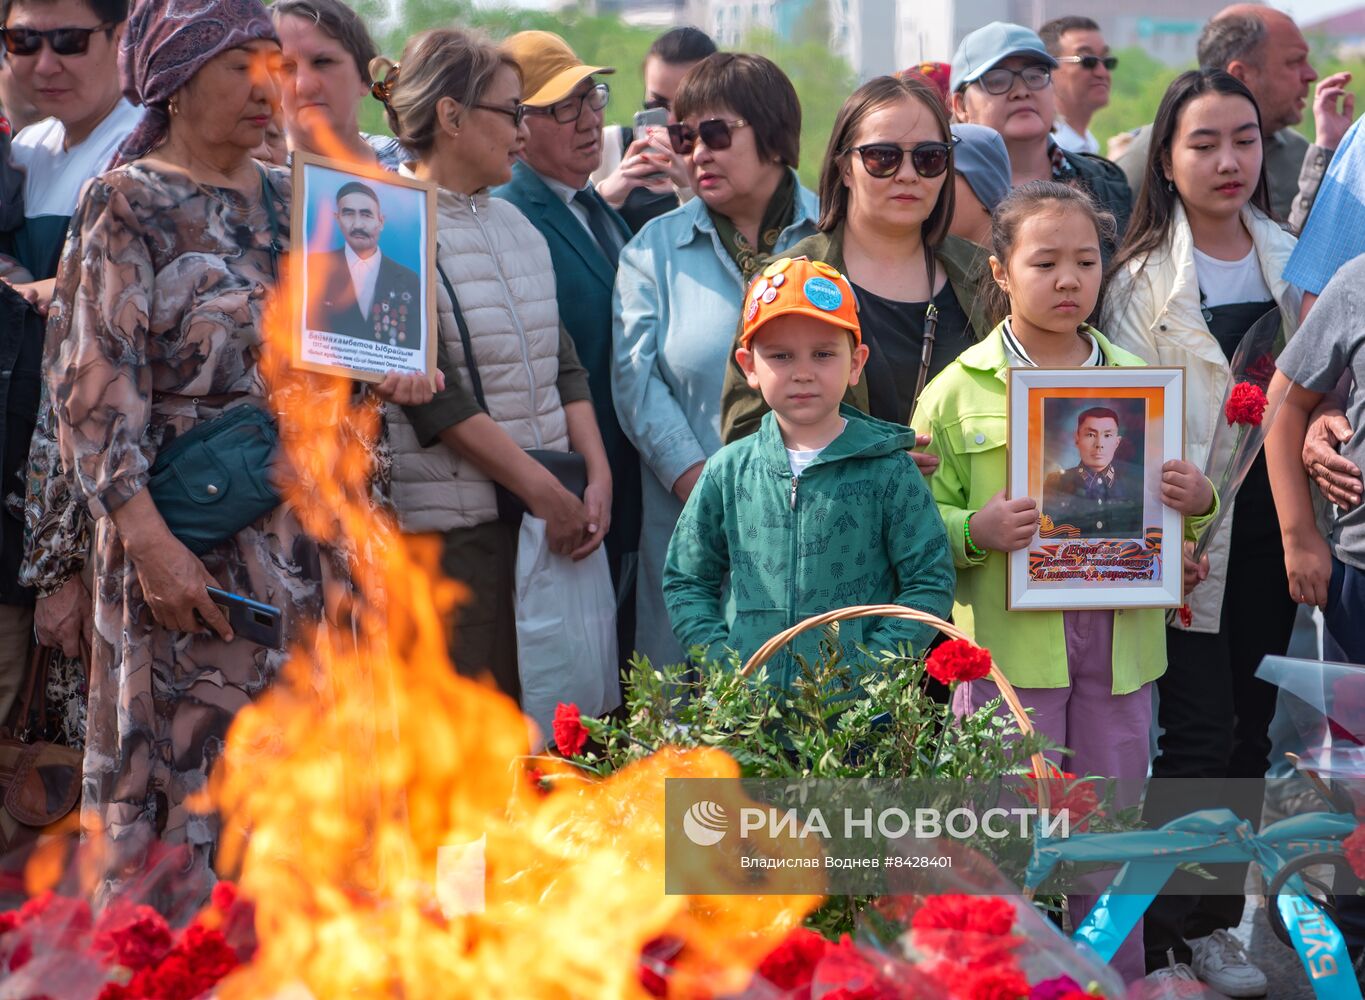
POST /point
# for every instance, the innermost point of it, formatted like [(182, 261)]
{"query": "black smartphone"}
[(251, 620)]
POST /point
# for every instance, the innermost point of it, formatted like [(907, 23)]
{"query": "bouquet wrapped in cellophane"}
[(1247, 412)]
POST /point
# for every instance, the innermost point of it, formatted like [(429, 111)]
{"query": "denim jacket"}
[(677, 301)]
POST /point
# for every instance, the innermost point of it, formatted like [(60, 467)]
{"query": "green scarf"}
[(776, 217)]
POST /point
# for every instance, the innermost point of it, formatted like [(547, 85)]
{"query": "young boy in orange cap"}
[(821, 509)]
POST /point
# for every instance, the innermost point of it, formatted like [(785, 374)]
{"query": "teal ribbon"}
[(1150, 857)]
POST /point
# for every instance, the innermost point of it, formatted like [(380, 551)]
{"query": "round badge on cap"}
[(777, 267), (825, 269), (760, 286), (751, 310), (823, 294), (769, 295), (779, 280)]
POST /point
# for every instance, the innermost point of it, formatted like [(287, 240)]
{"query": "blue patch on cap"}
[(823, 294)]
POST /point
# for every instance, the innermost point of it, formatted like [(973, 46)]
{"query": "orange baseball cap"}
[(804, 287)]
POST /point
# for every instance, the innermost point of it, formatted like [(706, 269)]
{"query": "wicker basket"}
[(1041, 765)]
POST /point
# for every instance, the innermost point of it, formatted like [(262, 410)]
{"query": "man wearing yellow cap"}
[(564, 114), (821, 509)]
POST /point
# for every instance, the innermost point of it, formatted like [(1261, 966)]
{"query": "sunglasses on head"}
[(715, 132), (64, 41), (1089, 63), (884, 159)]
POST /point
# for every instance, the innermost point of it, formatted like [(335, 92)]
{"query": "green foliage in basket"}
[(874, 718)]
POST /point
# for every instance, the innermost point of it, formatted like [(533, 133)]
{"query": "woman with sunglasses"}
[(886, 197), (680, 285), (455, 102), (1002, 78), (1202, 262), (325, 73)]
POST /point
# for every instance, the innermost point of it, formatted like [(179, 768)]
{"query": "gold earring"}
[(173, 107)]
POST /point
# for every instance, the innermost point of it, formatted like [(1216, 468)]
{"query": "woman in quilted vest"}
[(513, 381)]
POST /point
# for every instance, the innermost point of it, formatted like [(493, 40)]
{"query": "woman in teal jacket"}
[(860, 527), (679, 289)]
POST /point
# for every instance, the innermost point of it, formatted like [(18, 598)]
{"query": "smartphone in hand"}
[(251, 620)]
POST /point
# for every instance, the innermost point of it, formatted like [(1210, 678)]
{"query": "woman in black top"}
[(886, 199)]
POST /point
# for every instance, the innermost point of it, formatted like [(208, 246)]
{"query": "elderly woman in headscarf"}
[(155, 330)]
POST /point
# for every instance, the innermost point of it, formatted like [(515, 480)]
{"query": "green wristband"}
[(973, 549)]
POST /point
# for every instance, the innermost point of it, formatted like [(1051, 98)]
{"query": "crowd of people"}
[(738, 361)]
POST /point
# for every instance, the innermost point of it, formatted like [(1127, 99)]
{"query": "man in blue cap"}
[(1002, 78)]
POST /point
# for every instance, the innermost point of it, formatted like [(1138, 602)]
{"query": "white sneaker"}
[(1176, 980), (1220, 962)]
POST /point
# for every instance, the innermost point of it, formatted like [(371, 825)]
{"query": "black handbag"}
[(213, 480), (569, 467)]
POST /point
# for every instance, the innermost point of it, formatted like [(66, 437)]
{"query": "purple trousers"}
[(1107, 734)]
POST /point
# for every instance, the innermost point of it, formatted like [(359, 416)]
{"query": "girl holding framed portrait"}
[(1086, 675), (1202, 262)]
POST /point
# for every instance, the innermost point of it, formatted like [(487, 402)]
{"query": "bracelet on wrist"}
[(973, 550)]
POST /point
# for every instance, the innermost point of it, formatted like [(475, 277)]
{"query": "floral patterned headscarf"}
[(166, 43)]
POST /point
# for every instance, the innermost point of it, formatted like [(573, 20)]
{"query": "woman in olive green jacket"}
[(886, 199)]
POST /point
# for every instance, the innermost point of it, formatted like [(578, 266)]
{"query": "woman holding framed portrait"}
[(1202, 262), (1086, 675), (514, 382)]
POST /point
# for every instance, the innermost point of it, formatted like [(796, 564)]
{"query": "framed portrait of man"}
[(1088, 444), (363, 270)]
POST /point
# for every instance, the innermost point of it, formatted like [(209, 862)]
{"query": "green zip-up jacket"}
[(858, 527)]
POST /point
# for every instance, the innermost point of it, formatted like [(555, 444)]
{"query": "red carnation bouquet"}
[(1247, 413)]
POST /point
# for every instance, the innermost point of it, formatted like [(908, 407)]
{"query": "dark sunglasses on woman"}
[(715, 132), (1001, 80), (884, 159), (64, 41), (1088, 63)]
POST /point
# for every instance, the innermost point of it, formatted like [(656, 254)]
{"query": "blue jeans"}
[(1343, 638)]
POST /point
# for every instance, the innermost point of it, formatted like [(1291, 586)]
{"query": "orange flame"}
[(340, 787)]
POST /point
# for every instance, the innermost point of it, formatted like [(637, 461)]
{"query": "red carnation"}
[(958, 660), (791, 965), (848, 973), (955, 912), (997, 982), (1354, 845), (570, 736), (133, 936), (1066, 794), (973, 930), (1246, 404)]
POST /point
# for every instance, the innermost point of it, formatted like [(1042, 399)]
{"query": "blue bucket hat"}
[(982, 160), (985, 47)]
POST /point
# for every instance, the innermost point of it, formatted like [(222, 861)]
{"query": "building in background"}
[(1165, 29), (882, 36), (1342, 34)]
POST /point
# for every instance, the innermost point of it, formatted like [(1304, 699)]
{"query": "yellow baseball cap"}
[(804, 287), (549, 69)]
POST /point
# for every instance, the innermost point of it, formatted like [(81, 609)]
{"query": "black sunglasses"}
[(64, 41), (516, 114), (884, 159), (1089, 63), (1001, 81), (715, 132)]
